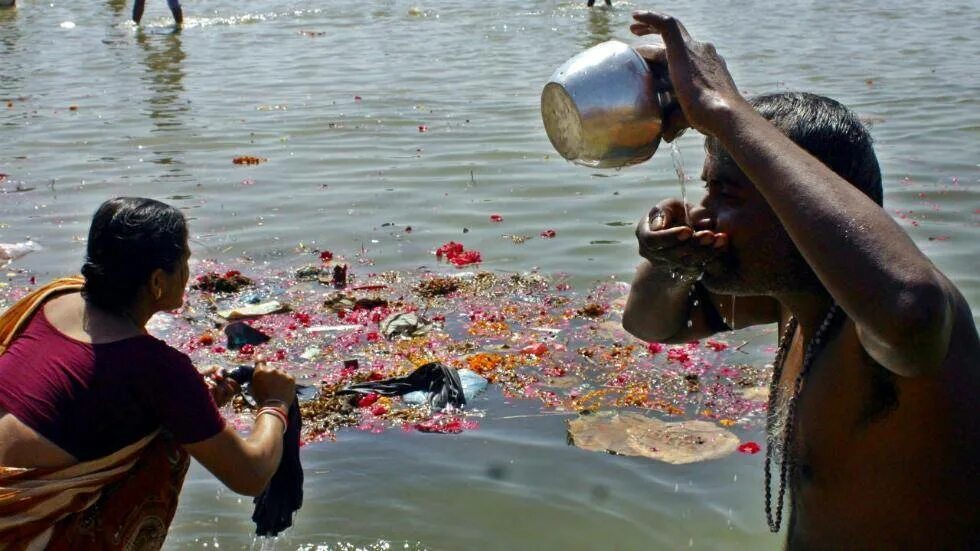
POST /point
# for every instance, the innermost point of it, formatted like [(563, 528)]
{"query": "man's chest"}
[(844, 397)]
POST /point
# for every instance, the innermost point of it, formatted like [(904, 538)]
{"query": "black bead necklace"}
[(813, 348)]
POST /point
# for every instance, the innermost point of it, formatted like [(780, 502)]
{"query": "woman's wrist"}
[(274, 402), (272, 411)]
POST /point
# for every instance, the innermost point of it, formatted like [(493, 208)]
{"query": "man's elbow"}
[(916, 342), (926, 311)]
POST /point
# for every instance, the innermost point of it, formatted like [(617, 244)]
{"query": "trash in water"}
[(472, 384), (239, 334), (253, 310), (248, 160), (482, 321), (12, 251), (628, 433), (404, 324), (440, 383), (231, 281)]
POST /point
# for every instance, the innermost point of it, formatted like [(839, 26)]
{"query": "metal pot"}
[(604, 107)]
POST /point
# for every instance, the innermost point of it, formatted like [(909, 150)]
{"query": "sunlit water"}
[(163, 114)]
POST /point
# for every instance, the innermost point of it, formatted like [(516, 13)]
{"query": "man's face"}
[(760, 259)]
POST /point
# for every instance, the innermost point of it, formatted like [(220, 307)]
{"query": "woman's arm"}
[(247, 464), (244, 465)]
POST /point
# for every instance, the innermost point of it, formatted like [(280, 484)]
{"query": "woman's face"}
[(175, 283)]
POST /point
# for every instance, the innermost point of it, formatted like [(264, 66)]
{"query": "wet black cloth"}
[(439, 382), (275, 506)]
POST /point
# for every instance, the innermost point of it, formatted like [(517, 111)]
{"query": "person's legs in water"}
[(138, 6), (174, 6), (178, 14)]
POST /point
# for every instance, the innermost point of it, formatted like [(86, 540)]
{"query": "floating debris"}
[(12, 251), (627, 433), (231, 281), (248, 160), (253, 310)]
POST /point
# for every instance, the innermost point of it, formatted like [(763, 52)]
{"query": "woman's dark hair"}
[(130, 237), (828, 131)]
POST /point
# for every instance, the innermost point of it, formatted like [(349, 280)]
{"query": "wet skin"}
[(887, 431), (881, 458)]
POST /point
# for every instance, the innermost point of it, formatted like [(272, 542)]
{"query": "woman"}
[(97, 416)]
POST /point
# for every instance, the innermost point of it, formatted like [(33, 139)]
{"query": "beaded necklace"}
[(813, 348)]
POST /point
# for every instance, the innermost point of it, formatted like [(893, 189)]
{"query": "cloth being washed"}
[(276, 505)]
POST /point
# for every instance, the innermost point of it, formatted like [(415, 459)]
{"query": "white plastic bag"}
[(12, 251)]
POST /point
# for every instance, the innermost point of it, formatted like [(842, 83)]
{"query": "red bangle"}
[(275, 412)]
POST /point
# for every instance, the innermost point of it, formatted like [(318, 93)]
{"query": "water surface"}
[(100, 109)]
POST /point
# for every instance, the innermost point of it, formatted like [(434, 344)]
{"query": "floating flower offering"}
[(529, 336)]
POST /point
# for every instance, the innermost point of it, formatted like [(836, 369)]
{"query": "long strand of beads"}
[(771, 413), (813, 348)]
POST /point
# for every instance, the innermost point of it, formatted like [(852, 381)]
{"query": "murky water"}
[(375, 112)]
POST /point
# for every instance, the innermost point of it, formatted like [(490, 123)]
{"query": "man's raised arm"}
[(902, 306)]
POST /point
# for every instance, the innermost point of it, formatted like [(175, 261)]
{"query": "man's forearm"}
[(659, 305)]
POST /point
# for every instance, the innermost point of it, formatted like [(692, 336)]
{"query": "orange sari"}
[(122, 501)]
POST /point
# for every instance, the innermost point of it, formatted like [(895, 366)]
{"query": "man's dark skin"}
[(887, 442)]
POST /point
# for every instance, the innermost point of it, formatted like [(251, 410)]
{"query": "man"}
[(873, 425)]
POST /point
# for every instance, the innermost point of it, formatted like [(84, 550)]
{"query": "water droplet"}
[(690, 323)]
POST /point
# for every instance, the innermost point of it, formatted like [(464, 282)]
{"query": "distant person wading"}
[(174, 6)]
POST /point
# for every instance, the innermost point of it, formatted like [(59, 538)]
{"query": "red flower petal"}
[(367, 400), (749, 448)]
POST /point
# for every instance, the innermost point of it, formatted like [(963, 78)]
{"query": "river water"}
[(336, 96)]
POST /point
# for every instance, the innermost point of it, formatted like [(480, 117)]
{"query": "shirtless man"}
[(873, 411)]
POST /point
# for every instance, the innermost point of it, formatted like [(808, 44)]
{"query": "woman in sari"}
[(97, 417)]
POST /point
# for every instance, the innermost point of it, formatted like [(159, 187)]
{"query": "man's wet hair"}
[(130, 237), (830, 132)]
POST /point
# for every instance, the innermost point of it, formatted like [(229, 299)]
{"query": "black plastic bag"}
[(439, 382), (239, 334)]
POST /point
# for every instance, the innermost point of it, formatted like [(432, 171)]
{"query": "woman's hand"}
[(679, 236), (270, 383), (702, 84), (222, 388)]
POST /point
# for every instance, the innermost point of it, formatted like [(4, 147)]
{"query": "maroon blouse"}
[(94, 399)]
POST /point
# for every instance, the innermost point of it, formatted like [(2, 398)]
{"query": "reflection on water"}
[(166, 106), (118, 7), (599, 26), (164, 78), (10, 71)]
